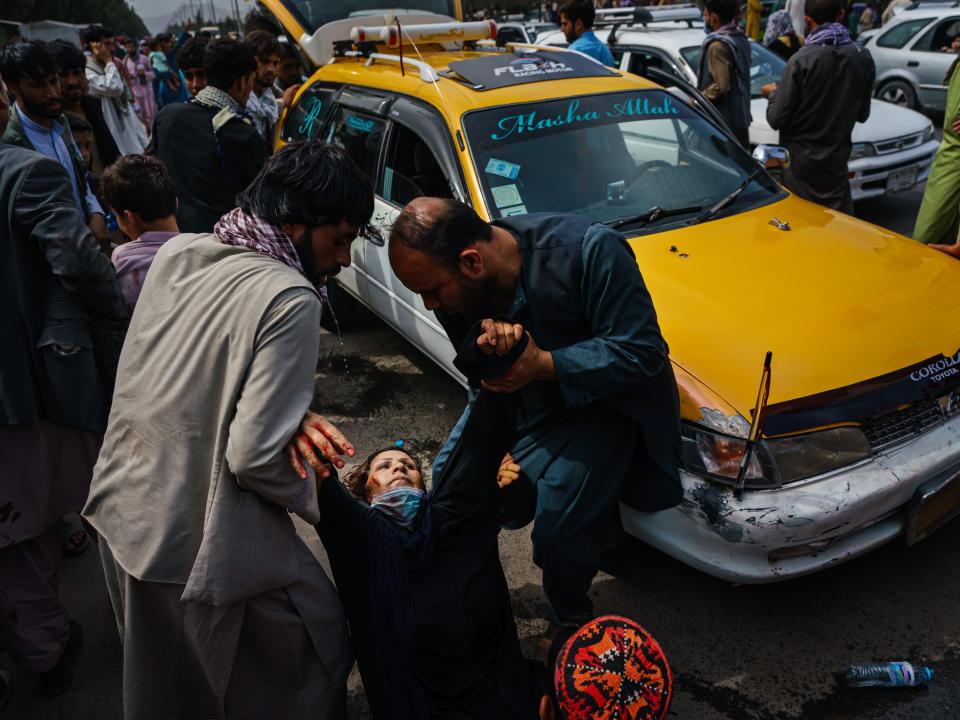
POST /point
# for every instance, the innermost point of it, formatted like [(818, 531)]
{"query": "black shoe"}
[(59, 678)]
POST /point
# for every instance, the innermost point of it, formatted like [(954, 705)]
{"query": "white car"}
[(892, 151)]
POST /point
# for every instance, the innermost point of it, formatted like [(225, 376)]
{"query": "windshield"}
[(321, 12), (609, 156), (765, 65)]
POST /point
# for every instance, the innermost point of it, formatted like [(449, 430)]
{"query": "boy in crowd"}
[(190, 62), (139, 191)]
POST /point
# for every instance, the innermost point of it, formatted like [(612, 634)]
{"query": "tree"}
[(115, 14)]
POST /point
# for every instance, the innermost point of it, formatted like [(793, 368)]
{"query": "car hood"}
[(838, 301), (886, 121)]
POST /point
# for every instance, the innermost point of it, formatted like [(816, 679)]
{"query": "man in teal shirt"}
[(576, 21)]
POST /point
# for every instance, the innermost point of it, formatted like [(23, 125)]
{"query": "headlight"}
[(815, 453), (862, 150), (717, 456), (929, 133), (775, 462)]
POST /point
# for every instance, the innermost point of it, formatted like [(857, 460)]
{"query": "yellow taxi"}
[(853, 438)]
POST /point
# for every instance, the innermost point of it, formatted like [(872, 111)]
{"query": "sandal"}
[(75, 541)]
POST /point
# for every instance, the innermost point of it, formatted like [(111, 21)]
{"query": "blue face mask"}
[(400, 505)]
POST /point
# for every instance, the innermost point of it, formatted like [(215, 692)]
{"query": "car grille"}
[(898, 144), (912, 421)]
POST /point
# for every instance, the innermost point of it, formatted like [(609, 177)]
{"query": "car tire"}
[(898, 92), (342, 305)]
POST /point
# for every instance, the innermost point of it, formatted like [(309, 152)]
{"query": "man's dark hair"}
[(726, 10), (823, 11), (66, 55), (140, 184), (78, 123), (443, 236), (226, 61), (287, 52), (26, 59), (96, 33), (256, 21), (190, 54), (310, 183), (163, 37), (582, 10), (263, 44)]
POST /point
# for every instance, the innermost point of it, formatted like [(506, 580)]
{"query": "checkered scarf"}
[(245, 230), (612, 668), (829, 34)]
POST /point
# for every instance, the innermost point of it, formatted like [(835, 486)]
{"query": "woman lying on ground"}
[(420, 578)]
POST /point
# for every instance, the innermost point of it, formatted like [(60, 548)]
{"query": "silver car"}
[(912, 53)]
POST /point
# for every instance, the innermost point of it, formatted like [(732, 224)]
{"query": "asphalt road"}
[(738, 652)]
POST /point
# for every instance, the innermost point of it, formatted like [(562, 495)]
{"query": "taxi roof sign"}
[(518, 68)]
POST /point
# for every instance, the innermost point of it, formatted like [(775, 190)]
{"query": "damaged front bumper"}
[(807, 526)]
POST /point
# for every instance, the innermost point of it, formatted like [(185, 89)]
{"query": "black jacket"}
[(208, 170), (429, 611), (63, 312), (106, 145), (824, 92), (598, 303)]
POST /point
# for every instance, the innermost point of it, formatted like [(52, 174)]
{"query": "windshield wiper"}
[(651, 215), (728, 200)]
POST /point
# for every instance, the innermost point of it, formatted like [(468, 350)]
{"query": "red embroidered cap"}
[(612, 669)]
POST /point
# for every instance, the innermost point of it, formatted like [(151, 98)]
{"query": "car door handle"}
[(913, 63)]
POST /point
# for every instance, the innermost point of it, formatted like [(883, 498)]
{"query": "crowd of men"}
[(158, 372)]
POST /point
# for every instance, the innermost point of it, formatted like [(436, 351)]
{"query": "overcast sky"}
[(153, 8)]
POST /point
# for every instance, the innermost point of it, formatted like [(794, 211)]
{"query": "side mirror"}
[(772, 157)]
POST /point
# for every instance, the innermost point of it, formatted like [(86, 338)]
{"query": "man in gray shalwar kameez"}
[(222, 609)]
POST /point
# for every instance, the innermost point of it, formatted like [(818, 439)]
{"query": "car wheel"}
[(341, 309), (898, 92)]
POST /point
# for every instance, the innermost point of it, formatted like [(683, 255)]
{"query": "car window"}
[(765, 65), (900, 34), (361, 136), (411, 169), (939, 37), (642, 59), (306, 117), (607, 156)]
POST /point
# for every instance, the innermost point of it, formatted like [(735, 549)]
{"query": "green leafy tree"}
[(115, 14)]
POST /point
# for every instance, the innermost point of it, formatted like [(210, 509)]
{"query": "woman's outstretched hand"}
[(320, 443)]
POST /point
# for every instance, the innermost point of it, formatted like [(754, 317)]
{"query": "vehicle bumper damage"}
[(771, 535)]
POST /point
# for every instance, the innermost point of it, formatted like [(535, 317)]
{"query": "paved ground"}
[(739, 652)]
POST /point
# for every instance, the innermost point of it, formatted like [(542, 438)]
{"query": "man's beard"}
[(304, 251), (479, 299)]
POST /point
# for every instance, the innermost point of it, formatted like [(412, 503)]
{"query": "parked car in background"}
[(524, 32), (912, 54), (892, 151)]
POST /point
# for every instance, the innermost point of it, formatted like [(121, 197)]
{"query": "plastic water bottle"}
[(889, 674)]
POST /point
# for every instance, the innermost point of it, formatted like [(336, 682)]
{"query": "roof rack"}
[(427, 72), (687, 12)]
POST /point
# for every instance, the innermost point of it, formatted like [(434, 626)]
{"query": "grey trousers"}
[(33, 621), (253, 659)]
